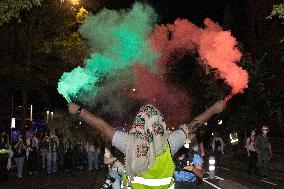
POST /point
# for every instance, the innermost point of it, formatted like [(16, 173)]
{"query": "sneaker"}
[(30, 173), (20, 176)]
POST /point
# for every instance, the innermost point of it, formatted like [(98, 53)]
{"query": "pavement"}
[(230, 175)]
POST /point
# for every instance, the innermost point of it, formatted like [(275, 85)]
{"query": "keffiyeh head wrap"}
[(147, 138)]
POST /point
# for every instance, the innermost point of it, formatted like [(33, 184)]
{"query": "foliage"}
[(54, 43), (10, 9), (81, 15), (277, 10), (257, 105)]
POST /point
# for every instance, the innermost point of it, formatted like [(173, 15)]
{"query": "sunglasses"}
[(265, 129)]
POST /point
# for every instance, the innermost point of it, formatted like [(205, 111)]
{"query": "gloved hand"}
[(72, 108)]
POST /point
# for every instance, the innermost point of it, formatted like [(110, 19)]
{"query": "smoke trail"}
[(119, 39), (216, 48)]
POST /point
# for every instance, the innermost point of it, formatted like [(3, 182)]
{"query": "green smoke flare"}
[(119, 39)]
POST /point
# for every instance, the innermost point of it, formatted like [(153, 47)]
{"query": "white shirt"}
[(176, 141)]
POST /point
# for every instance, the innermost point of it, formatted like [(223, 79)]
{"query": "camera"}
[(109, 180), (186, 160)]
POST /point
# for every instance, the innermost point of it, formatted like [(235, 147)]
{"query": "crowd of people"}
[(46, 152), (128, 154)]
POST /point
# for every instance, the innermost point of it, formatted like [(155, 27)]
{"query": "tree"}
[(11, 9), (44, 44), (278, 11)]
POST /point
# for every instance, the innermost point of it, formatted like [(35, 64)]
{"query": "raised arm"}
[(93, 120), (202, 118)]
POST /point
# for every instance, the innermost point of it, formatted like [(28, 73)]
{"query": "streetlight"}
[(13, 123), (31, 113), (75, 2), (51, 113), (47, 116)]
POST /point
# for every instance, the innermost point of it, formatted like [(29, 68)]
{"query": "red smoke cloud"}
[(216, 48), (153, 89)]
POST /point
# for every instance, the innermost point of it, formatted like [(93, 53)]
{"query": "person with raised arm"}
[(147, 146)]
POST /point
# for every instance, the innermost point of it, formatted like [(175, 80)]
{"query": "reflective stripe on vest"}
[(152, 182)]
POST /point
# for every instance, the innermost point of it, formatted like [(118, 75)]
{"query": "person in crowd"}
[(93, 150), (264, 152), (4, 156), (32, 152), (115, 166), (79, 154), (188, 168), (217, 147), (60, 151), (146, 146), (68, 147), (43, 146), (53, 143), (251, 153), (19, 148)]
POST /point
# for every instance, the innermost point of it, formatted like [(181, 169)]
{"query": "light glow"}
[(211, 168), (75, 2), (212, 161)]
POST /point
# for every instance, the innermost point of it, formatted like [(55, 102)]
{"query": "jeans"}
[(114, 174), (43, 153), (51, 162), (93, 160), (20, 164)]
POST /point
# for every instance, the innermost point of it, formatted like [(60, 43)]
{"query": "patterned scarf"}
[(147, 139)]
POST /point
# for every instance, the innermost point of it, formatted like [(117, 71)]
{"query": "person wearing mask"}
[(218, 148), (188, 168), (251, 153), (264, 152), (53, 143), (32, 152), (19, 154), (147, 147)]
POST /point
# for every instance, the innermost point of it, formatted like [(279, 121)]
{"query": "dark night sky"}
[(168, 10)]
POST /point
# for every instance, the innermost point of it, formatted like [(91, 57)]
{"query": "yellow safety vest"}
[(159, 176)]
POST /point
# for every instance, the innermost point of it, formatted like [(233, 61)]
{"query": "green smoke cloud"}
[(119, 39)]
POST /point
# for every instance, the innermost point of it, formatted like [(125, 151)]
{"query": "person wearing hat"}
[(147, 148), (263, 149)]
